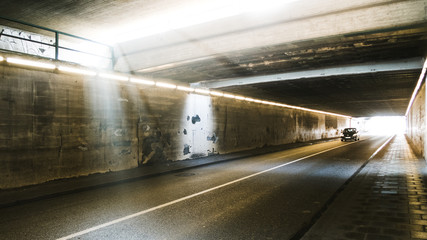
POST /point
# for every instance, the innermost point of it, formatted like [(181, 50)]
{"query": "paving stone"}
[(346, 227), (378, 237), (397, 232), (419, 235), (419, 222), (398, 220), (416, 217), (368, 229), (355, 235), (384, 224), (414, 211), (411, 227), (386, 200)]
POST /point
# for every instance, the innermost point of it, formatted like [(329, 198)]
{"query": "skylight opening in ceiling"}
[(198, 13)]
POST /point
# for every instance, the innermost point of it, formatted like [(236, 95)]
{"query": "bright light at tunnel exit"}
[(382, 125), (189, 15)]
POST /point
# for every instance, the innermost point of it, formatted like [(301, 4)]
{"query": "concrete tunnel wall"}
[(55, 125), (416, 125)]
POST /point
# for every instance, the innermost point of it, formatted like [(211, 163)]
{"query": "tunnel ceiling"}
[(216, 55), (365, 94), (305, 55)]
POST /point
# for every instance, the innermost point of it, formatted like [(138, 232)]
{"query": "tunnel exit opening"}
[(381, 125)]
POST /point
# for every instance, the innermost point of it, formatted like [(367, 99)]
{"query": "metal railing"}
[(67, 50)]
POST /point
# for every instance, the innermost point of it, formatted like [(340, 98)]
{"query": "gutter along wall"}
[(55, 125)]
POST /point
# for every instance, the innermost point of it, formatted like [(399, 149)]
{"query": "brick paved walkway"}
[(387, 200)]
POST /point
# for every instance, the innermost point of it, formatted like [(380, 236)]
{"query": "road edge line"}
[(324, 208), (118, 220)]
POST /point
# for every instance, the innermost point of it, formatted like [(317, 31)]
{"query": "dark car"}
[(350, 134)]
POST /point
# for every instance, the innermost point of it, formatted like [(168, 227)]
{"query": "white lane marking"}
[(382, 146), (192, 195)]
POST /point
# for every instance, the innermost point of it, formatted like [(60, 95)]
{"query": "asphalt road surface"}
[(272, 196)]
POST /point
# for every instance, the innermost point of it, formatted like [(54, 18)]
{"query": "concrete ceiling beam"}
[(195, 43), (363, 68)]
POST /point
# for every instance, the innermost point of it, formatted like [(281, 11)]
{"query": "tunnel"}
[(291, 119)]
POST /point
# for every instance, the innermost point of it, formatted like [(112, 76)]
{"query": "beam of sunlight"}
[(85, 53), (197, 13), (106, 105)]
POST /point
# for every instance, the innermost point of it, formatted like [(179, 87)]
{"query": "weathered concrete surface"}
[(298, 21), (55, 125), (416, 124)]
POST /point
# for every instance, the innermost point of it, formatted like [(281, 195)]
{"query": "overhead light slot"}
[(218, 94), (226, 95), (30, 63), (186, 89), (114, 77), (202, 91), (142, 81), (165, 85), (76, 71), (181, 88)]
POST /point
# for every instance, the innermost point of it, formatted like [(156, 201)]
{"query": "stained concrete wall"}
[(416, 124), (298, 21), (55, 125)]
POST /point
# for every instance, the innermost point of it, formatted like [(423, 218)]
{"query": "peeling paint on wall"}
[(154, 146), (199, 126), (186, 149), (195, 119), (212, 138), (125, 152), (146, 128), (83, 148), (121, 143)]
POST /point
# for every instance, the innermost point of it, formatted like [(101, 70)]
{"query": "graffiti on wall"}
[(19, 44)]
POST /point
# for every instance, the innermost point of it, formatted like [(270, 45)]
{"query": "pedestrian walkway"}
[(387, 200)]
